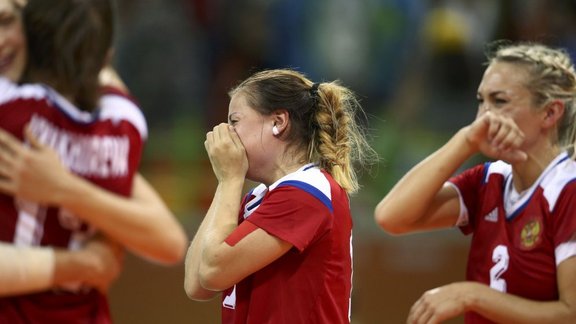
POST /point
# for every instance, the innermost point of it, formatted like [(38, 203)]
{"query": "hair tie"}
[(314, 89), (314, 93)]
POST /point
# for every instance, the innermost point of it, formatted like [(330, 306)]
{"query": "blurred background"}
[(415, 65)]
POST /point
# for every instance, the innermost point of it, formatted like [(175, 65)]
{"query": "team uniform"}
[(104, 147), (312, 282), (518, 239)]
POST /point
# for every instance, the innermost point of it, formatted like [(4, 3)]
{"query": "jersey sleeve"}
[(468, 185), (127, 117), (5, 86), (10, 91), (293, 215), (564, 224), (120, 108)]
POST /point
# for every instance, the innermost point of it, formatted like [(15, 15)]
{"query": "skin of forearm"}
[(192, 284), (26, 269), (147, 229), (195, 255), (69, 268), (506, 308), (221, 220), (399, 210)]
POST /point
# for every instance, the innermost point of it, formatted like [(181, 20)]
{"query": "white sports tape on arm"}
[(25, 269)]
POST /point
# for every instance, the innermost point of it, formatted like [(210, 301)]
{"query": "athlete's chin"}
[(255, 176)]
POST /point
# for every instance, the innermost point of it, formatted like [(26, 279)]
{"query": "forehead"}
[(239, 105), (502, 76)]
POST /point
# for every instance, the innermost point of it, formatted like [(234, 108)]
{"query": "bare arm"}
[(219, 265), (26, 270), (142, 223), (227, 205), (421, 201), (446, 302), (211, 263), (192, 285)]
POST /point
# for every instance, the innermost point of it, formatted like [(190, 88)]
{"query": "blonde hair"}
[(323, 119), (552, 77)]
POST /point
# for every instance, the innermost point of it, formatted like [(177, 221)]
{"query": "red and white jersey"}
[(312, 282), (104, 147), (518, 239)]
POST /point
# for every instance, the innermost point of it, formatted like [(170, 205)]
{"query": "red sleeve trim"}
[(240, 232)]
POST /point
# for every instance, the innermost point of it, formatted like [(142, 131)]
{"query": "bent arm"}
[(212, 264), (25, 270), (220, 220), (192, 286), (142, 223), (440, 304), (421, 200), (506, 308)]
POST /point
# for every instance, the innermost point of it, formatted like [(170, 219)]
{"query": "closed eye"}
[(499, 101)]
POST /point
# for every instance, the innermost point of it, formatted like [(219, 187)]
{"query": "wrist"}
[(68, 265), (26, 269), (235, 182), (69, 192), (465, 146), (473, 296)]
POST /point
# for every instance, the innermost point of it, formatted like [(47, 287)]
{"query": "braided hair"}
[(551, 77), (323, 119)]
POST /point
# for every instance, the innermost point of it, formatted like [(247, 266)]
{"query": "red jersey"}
[(104, 147), (518, 239), (312, 282)]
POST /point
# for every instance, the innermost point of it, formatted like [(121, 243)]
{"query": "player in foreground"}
[(65, 280), (284, 254), (519, 209)]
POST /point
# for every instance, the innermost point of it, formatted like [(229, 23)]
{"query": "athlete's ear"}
[(553, 112), (280, 119)]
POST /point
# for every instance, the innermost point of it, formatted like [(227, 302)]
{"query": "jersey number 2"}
[(501, 258)]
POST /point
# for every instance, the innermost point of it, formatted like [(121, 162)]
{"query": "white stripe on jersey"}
[(117, 108), (112, 107), (9, 91), (258, 193), (499, 167), (564, 251), (309, 174), (553, 179), (562, 171), (463, 217)]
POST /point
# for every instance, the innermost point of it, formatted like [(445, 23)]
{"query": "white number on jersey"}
[(500, 257), (230, 300), (30, 223)]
